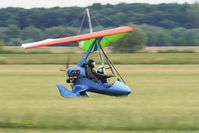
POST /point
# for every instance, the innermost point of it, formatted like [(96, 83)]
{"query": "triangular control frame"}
[(113, 69)]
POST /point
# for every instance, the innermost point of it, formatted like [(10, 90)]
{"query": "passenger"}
[(92, 74)]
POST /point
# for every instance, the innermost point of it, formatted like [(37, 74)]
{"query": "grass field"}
[(77, 50), (164, 100), (136, 58)]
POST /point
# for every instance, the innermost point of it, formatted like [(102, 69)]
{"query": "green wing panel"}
[(106, 40)]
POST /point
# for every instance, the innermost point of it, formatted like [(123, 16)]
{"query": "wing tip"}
[(24, 46)]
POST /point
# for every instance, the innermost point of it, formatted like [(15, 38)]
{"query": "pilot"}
[(92, 74)]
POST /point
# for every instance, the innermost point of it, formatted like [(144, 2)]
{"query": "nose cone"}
[(120, 89), (125, 91)]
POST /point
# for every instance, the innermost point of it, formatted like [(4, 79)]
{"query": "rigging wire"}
[(82, 23), (62, 33), (99, 50), (101, 58), (107, 18), (97, 22), (111, 64)]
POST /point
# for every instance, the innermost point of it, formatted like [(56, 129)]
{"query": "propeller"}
[(67, 64)]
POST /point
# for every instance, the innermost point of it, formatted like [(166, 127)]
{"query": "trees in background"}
[(132, 42), (13, 36), (156, 36), (161, 15), (163, 24), (1, 44), (31, 32), (60, 31), (193, 15)]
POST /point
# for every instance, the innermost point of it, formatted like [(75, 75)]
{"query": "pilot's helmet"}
[(91, 63)]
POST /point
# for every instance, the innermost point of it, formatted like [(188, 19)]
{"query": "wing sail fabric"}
[(37, 43), (105, 41), (109, 36)]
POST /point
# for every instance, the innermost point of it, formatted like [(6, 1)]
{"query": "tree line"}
[(163, 24), (156, 36), (161, 15)]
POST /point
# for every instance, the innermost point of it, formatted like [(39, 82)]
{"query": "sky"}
[(80, 3)]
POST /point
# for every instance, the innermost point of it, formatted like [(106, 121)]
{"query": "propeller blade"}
[(68, 62)]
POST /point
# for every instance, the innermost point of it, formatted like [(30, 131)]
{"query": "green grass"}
[(164, 100), (86, 131), (176, 51), (137, 58), (2, 51)]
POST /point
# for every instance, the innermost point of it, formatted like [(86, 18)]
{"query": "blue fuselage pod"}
[(118, 88), (77, 73)]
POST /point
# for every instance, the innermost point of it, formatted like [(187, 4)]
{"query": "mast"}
[(91, 31), (89, 20)]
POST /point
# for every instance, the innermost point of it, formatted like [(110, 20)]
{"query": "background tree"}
[(31, 32), (12, 31), (193, 16), (2, 33), (157, 36), (162, 15), (1, 44), (132, 42), (163, 24), (60, 31)]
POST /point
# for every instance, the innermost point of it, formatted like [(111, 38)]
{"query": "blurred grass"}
[(3, 51), (176, 51), (136, 58), (165, 99), (85, 131)]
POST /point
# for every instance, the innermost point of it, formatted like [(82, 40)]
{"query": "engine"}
[(73, 75)]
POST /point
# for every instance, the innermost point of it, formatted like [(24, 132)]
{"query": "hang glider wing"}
[(104, 41), (107, 37)]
